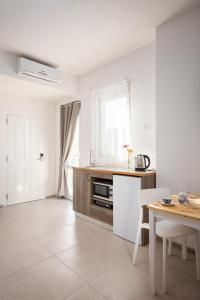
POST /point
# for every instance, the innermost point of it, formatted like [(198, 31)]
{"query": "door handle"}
[(88, 177), (41, 157)]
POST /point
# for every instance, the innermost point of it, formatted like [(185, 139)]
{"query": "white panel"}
[(37, 177), (125, 206), (20, 140), (37, 165), (35, 141), (18, 160), (19, 181)]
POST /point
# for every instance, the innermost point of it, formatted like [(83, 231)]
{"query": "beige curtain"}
[(68, 118)]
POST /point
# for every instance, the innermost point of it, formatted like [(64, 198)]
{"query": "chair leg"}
[(164, 277), (184, 248), (170, 246), (197, 255), (135, 250)]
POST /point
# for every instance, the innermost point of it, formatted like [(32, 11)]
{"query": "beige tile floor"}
[(48, 254)]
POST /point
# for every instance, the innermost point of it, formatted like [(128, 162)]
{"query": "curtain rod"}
[(125, 79), (67, 104)]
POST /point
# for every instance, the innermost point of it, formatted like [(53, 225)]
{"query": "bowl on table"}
[(166, 201)]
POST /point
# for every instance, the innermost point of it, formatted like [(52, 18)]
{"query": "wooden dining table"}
[(185, 214)]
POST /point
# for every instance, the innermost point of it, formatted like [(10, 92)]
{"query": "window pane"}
[(111, 124)]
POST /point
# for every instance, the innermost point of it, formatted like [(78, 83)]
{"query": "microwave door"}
[(101, 190)]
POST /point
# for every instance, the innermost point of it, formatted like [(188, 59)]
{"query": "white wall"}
[(178, 102), (139, 66), (26, 99), (8, 66), (46, 112)]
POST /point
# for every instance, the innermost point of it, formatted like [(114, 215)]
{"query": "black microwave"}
[(102, 191)]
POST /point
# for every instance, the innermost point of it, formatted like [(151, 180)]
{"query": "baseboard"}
[(51, 196), (94, 221)]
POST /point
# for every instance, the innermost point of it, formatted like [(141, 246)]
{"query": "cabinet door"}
[(125, 206), (81, 192)]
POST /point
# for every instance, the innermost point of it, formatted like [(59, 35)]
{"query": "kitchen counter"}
[(116, 171), (126, 184)]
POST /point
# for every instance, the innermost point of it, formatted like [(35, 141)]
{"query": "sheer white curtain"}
[(111, 124)]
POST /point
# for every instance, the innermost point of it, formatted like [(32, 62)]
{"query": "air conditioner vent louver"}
[(34, 69)]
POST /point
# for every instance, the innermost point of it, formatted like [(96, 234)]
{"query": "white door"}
[(25, 168)]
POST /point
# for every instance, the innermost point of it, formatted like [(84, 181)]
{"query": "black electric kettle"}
[(142, 162)]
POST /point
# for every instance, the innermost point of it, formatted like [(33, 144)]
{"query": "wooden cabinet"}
[(101, 175), (82, 200), (84, 203), (102, 214), (81, 192)]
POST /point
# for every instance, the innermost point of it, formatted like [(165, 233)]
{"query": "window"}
[(111, 124), (72, 161)]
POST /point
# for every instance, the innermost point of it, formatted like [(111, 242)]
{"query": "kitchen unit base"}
[(94, 221), (85, 204)]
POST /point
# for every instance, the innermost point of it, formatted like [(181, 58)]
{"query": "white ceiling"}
[(80, 35), (14, 88)]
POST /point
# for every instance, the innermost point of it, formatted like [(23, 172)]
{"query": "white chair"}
[(165, 229)]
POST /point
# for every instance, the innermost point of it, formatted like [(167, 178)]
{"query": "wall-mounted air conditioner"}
[(34, 69)]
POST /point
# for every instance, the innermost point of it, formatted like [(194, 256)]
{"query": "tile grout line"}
[(57, 253), (97, 291), (78, 289), (83, 279), (87, 282), (27, 267)]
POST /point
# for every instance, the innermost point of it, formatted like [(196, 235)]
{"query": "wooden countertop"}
[(191, 210), (116, 171)]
